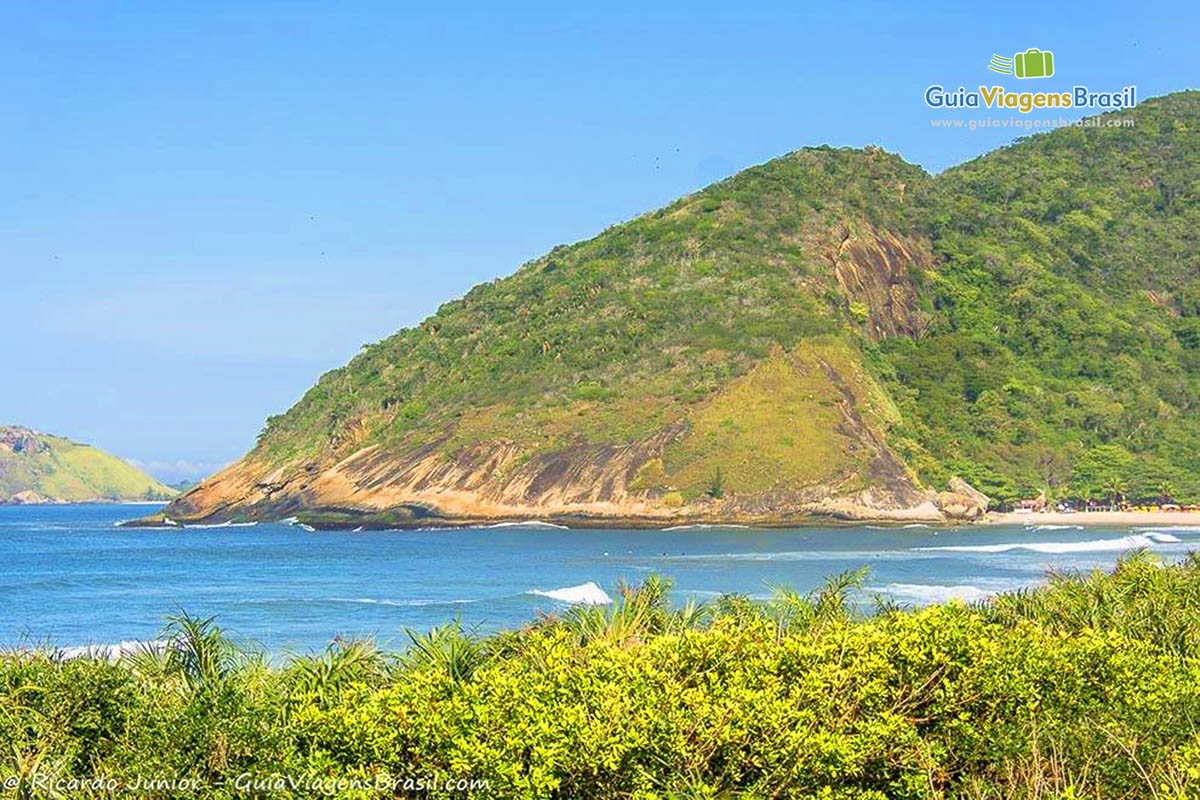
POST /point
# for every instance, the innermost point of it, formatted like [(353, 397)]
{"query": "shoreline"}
[(1084, 519), (94, 501), (1089, 519)]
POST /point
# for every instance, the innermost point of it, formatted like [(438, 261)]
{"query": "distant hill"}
[(37, 468), (833, 332)]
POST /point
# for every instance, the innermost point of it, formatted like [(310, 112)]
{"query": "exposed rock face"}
[(484, 483), (28, 497), (393, 485), (583, 484), (960, 486), (873, 271), (16, 439), (963, 501)]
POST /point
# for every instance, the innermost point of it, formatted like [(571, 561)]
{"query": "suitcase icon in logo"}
[(1033, 63)]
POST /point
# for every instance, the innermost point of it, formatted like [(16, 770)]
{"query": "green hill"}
[(832, 332), (36, 467)]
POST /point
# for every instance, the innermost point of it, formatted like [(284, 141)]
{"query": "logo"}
[(1033, 63)]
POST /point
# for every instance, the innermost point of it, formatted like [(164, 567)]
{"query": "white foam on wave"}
[(587, 594), (702, 525), (372, 601), (1049, 527), (1092, 546), (225, 524), (1186, 529), (113, 650), (529, 523), (915, 525), (928, 593), (795, 555)]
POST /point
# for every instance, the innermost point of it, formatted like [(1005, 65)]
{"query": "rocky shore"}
[(378, 493)]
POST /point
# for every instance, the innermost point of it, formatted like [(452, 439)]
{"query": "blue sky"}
[(206, 205)]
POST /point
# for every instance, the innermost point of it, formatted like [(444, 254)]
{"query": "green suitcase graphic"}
[(1034, 63)]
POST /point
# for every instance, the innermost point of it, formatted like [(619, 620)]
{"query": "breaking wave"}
[(700, 526), (1187, 529), (1093, 546), (928, 593), (372, 601), (113, 650), (796, 555), (587, 594)]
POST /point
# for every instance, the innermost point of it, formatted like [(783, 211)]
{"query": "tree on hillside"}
[(1101, 472), (1114, 490)]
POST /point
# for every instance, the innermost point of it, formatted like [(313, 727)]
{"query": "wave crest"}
[(927, 593), (1131, 542), (587, 594)]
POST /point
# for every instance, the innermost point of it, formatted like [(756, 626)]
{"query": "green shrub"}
[(1086, 687)]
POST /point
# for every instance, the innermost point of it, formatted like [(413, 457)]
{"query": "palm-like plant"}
[(33, 773), (322, 679), (197, 651), (1139, 598), (793, 611), (446, 648), (638, 613), (689, 617), (1114, 489), (737, 607)]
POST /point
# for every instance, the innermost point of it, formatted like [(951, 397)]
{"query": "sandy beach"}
[(1095, 518)]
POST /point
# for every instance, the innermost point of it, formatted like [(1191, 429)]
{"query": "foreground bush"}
[(1088, 687)]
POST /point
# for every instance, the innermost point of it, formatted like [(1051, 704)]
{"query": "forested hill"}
[(1065, 346), (39, 468), (832, 332)]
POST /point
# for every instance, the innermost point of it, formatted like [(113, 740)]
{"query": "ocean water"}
[(70, 577)]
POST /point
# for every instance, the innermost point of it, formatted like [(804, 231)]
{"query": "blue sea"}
[(71, 577)]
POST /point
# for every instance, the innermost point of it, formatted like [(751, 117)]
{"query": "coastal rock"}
[(16, 439), (962, 501), (960, 486), (28, 497), (817, 394)]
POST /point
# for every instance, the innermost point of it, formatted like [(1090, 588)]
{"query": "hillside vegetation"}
[(1087, 687), (37, 467), (1065, 353), (1028, 321)]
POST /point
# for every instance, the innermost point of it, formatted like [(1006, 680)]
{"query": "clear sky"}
[(205, 205)]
